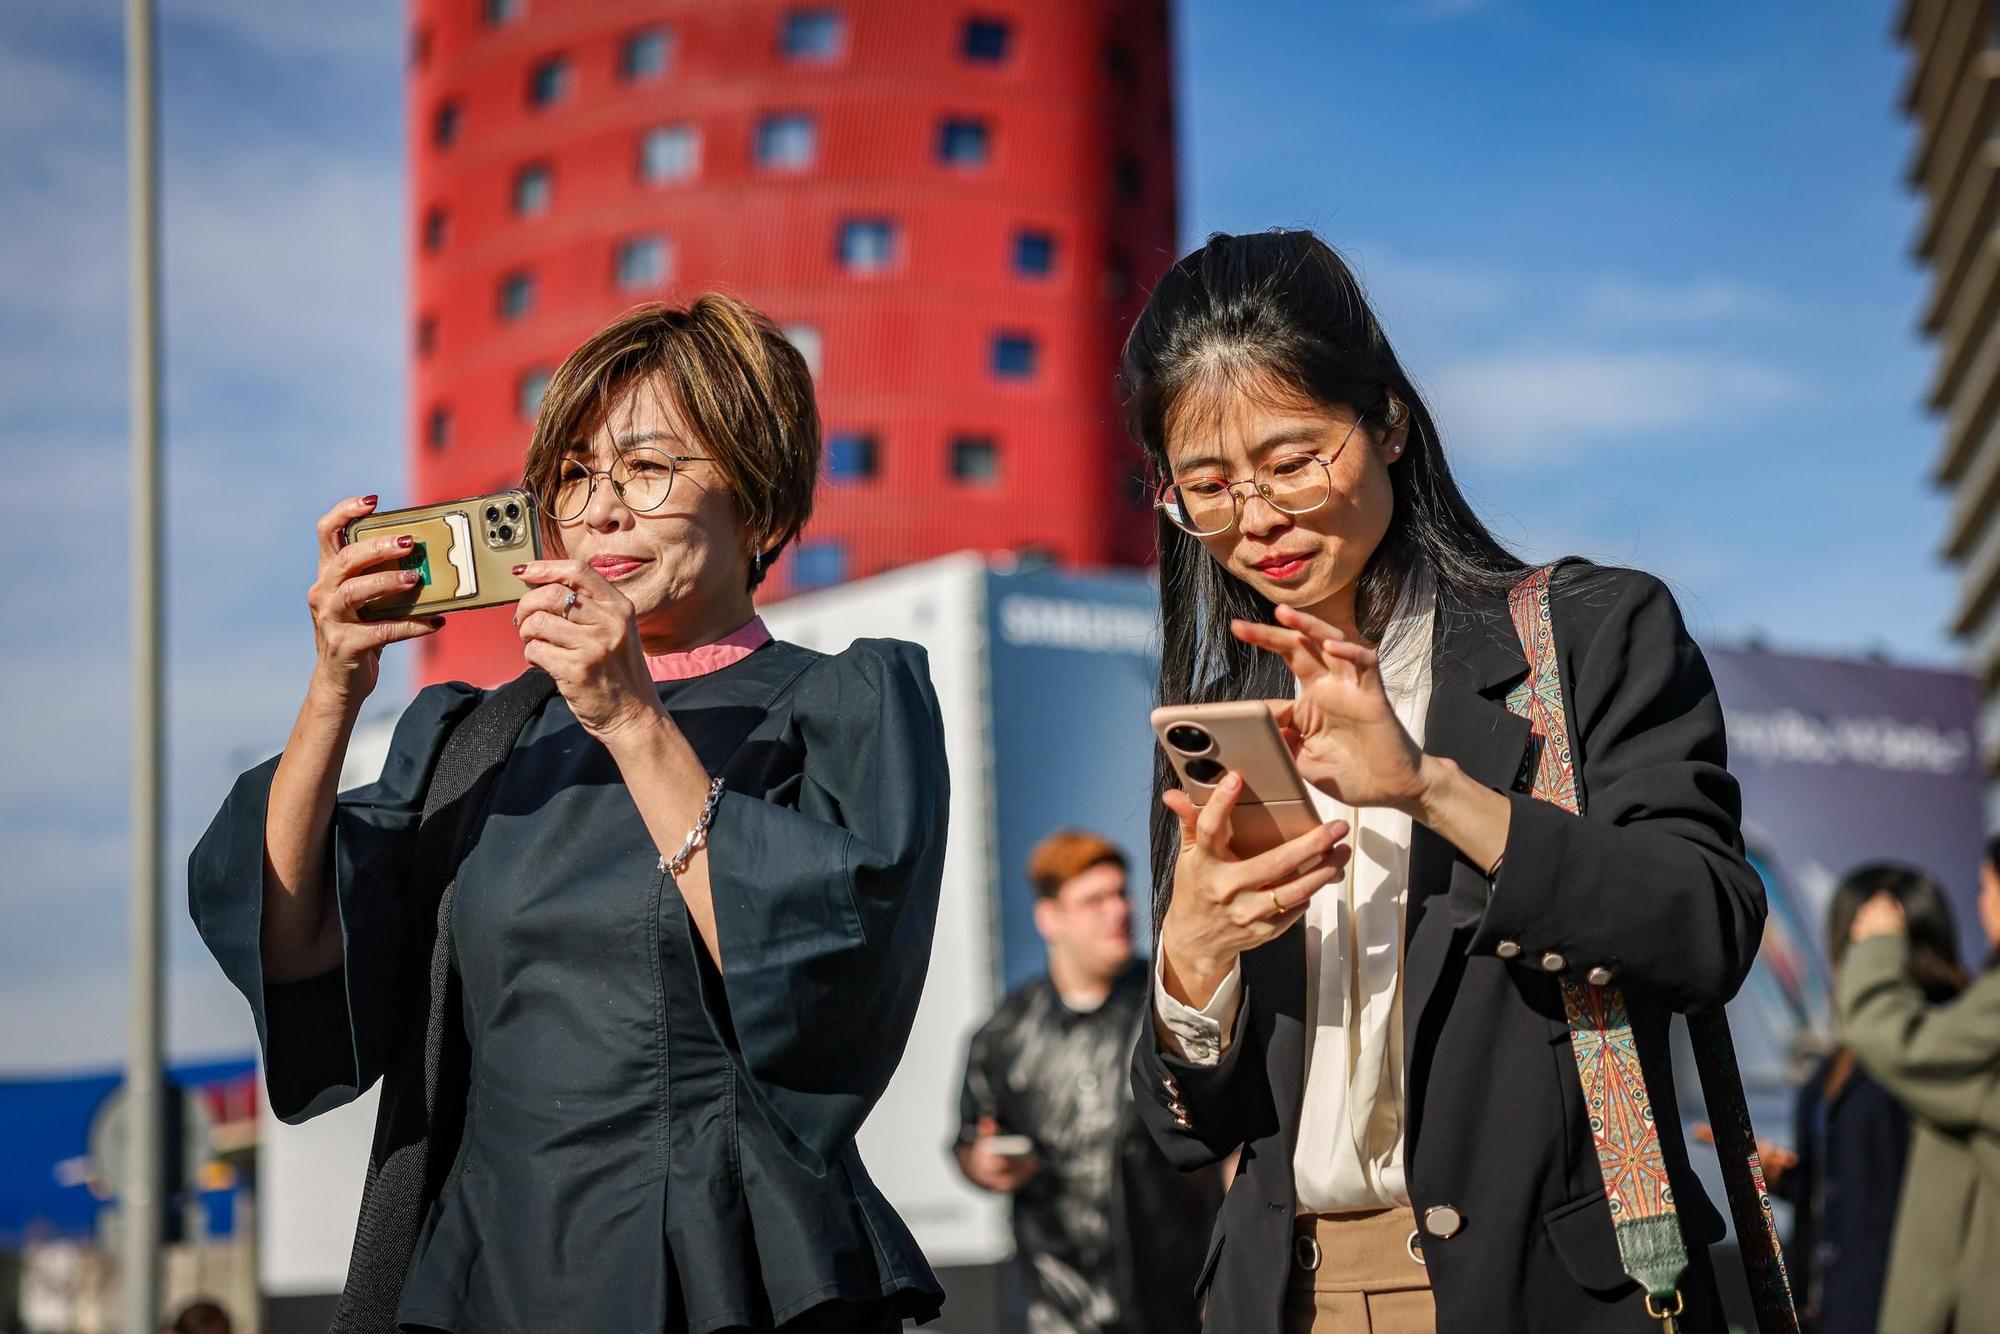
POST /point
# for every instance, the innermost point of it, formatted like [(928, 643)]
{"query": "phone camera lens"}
[(1204, 771), (492, 514), (1189, 739), (506, 532), (513, 510)]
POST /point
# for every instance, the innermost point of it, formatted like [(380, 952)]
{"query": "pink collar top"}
[(732, 648)]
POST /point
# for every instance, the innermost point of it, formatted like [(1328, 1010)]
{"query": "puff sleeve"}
[(324, 1038), (826, 894)]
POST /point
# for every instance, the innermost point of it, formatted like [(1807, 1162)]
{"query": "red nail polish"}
[(369, 500), (518, 569), (406, 542)]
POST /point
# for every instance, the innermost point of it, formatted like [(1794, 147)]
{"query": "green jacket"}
[(1942, 1062)]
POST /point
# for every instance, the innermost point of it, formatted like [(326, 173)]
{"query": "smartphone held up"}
[(1204, 742), (464, 554)]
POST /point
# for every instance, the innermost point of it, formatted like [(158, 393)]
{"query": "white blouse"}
[(1349, 1154)]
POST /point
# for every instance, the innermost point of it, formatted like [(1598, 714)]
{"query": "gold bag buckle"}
[(1668, 1325)]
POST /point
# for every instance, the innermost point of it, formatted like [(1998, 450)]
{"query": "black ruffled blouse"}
[(650, 1144)]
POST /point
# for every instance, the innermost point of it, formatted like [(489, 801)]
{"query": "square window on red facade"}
[(964, 143), (811, 34), (975, 459), (986, 41), (1015, 356), (645, 54), (850, 456)]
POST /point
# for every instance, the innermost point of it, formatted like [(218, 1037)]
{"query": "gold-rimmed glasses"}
[(1204, 503), (641, 477)]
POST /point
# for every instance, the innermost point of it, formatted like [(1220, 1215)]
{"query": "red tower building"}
[(953, 208)]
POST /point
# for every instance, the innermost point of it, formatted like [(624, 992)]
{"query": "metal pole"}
[(140, 1194)]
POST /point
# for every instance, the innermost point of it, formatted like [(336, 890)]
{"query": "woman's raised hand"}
[(1223, 905), (576, 626), (1344, 733), (1881, 915), (350, 649)]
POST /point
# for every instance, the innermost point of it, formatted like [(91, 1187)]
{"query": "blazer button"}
[(1177, 1109), (1599, 976), (1183, 1123), (1553, 962), (1443, 1220), (1508, 949)]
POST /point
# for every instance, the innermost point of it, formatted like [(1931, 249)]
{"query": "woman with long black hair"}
[(1375, 1012)]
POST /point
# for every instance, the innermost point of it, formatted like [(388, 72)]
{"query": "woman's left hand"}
[(1344, 733), (581, 630)]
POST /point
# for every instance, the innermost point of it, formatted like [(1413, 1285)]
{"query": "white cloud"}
[(1620, 303), (1406, 290), (1539, 406), (290, 273)]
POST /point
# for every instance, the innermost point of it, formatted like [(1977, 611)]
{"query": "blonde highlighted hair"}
[(737, 384)]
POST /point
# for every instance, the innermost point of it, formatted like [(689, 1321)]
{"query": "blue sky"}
[(1650, 263)]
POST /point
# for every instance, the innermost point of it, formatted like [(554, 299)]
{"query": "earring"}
[(757, 562)]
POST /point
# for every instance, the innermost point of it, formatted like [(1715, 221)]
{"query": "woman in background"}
[(1942, 1062), (1853, 1137)]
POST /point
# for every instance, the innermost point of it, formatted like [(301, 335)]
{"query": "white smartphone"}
[(1008, 1146)]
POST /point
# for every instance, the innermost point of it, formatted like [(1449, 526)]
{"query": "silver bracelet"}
[(697, 836)]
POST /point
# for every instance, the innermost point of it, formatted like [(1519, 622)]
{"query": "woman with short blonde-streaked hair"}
[(683, 939)]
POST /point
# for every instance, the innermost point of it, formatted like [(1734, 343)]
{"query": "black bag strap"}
[(406, 1164)]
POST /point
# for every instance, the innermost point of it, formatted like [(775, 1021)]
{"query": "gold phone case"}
[(1240, 735), (466, 552)]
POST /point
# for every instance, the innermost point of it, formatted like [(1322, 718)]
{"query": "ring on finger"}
[(1277, 906), (570, 598)]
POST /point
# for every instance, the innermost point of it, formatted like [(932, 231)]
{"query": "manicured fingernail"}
[(406, 541), (519, 570), (369, 500), (1232, 782), (437, 622), (410, 576)]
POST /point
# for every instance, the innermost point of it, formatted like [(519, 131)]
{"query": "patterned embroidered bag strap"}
[(1650, 1242)]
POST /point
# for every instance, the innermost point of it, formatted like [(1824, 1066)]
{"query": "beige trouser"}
[(1366, 1281)]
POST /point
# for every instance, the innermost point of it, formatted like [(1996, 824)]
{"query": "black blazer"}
[(1652, 883)]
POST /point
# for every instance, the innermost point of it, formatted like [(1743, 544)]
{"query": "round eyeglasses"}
[(642, 478), (1204, 504)]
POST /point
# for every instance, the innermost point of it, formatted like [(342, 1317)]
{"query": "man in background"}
[(1107, 1235)]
